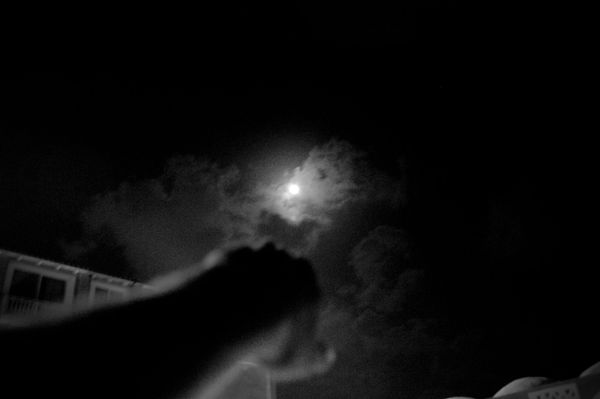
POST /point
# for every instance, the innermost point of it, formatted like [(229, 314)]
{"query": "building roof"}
[(68, 268)]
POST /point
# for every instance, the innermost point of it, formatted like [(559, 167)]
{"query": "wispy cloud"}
[(195, 205), (379, 324)]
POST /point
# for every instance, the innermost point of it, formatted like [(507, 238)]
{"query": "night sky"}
[(444, 184)]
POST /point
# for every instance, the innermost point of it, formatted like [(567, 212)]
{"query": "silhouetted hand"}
[(242, 305), (274, 299)]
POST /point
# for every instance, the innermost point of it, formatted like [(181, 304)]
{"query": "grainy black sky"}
[(470, 263)]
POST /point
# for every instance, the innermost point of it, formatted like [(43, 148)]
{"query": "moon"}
[(293, 189)]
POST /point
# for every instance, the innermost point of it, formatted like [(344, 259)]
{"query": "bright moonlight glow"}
[(293, 189)]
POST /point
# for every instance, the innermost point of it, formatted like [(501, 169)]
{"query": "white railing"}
[(17, 306), (21, 305)]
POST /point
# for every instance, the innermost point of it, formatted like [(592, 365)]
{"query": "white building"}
[(31, 286)]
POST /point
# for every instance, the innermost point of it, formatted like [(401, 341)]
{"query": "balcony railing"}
[(18, 306)]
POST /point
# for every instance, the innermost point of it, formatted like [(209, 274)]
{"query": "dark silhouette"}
[(245, 304)]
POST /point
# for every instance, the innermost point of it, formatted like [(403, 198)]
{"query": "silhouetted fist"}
[(270, 300)]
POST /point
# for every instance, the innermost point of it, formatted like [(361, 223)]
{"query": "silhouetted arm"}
[(259, 306)]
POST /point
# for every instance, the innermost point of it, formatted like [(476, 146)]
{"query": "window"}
[(102, 292), (52, 289), (24, 284), (37, 287)]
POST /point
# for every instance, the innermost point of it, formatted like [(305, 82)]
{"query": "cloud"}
[(387, 281), (295, 237), (159, 231), (334, 175), (195, 205), (388, 344), (383, 253)]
